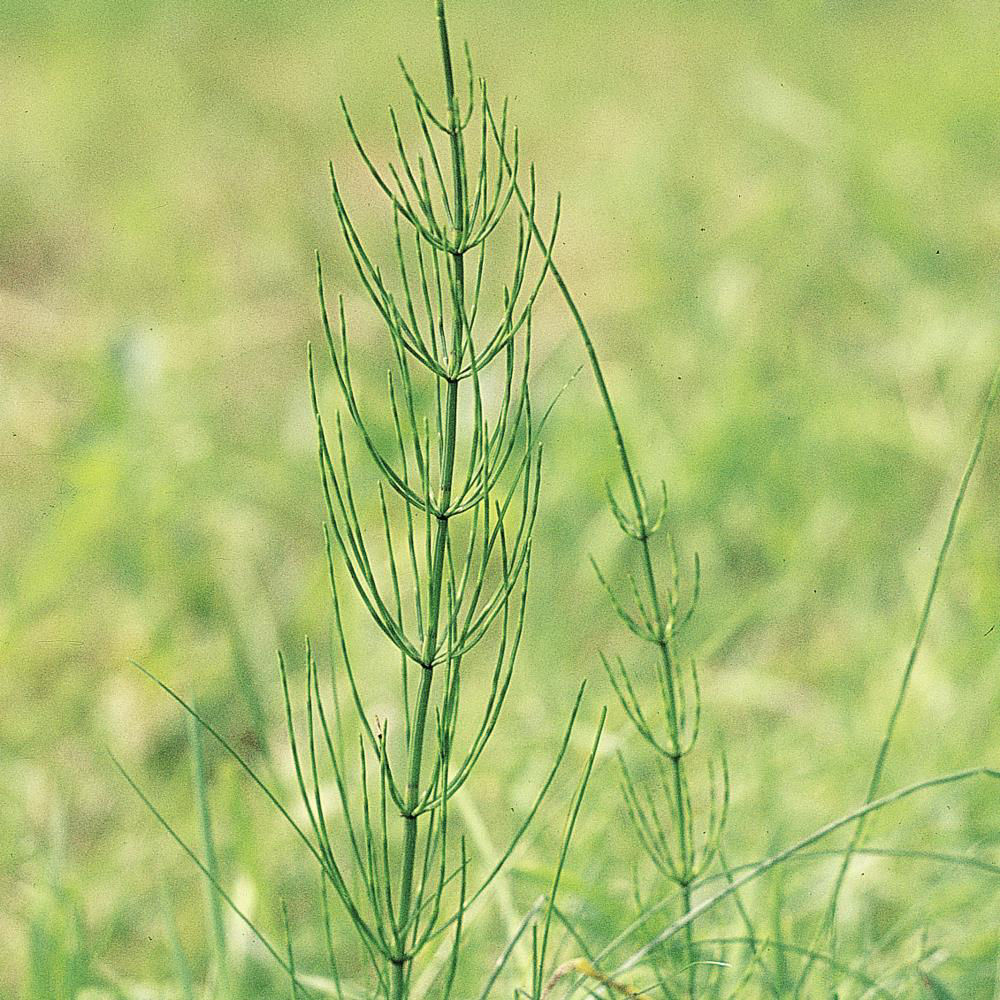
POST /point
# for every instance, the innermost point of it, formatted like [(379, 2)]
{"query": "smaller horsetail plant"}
[(670, 726)]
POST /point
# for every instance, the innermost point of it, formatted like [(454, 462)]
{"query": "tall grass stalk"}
[(875, 783)]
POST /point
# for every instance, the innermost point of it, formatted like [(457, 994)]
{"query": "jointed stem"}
[(401, 963), (674, 724), (458, 596)]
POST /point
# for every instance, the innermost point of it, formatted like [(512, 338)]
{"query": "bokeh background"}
[(781, 221)]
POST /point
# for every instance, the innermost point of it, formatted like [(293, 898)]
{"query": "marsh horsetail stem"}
[(657, 620), (464, 477)]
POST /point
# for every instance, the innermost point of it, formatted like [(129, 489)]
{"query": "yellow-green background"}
[(781, 220)]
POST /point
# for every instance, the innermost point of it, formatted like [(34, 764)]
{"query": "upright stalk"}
[(682, 819), (401, 961), (441, 591), (828, 924)]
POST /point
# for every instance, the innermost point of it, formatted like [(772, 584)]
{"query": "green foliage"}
[(813, 346)]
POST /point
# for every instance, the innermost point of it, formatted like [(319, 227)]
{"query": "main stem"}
[(401, 962), (676, 759)]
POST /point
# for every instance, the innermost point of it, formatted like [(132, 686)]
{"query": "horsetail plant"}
[(656, 619), (457, 499), (467, 476), (667, 837)]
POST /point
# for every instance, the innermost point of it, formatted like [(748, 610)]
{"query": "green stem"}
[(676, 760), (400, 970)]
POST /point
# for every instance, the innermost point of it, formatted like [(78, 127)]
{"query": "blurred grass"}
[(781, 220)]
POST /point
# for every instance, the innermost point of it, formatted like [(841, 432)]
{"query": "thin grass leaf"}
[(213, 903), (216, 886), (874, 784)]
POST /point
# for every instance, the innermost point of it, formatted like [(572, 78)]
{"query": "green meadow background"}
[(781, 221)]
